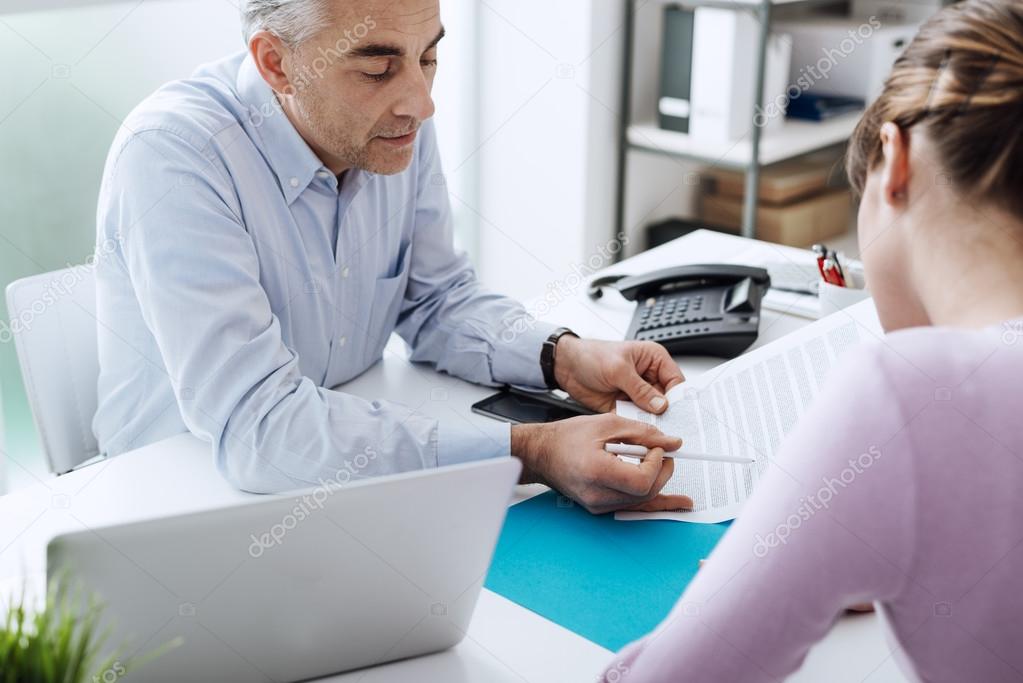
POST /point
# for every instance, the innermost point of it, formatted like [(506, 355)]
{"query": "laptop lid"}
[(299, 586)]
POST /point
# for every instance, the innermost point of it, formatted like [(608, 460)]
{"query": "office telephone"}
[(711, 310)]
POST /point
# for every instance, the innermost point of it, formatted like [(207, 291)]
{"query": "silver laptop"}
[(297, 587)]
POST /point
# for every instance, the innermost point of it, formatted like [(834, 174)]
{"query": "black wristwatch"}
[(547, 356)]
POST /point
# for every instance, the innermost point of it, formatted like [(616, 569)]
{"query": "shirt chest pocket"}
[(385, 302)]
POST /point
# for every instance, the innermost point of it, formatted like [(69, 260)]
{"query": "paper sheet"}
[(745, 407)]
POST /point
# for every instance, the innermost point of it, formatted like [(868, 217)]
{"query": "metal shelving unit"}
[(791, 139)]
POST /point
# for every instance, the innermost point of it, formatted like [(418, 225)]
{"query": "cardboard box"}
[(786, 181), (800, 224)]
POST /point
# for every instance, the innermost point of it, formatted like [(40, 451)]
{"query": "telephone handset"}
[(708, 310)]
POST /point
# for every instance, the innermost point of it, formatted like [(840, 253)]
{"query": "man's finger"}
[(667, 469), (667, 371), (633, 480), (663, 503), (672, 380), (641, 392), (642, 434)]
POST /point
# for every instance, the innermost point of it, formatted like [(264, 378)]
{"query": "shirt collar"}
[(288, 154)]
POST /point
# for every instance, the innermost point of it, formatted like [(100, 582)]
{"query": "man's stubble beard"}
[(313, 112), (337, 141)]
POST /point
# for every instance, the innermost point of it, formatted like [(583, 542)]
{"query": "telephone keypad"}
[(668, 317)]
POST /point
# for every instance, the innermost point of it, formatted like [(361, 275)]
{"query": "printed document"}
[(746, 407)]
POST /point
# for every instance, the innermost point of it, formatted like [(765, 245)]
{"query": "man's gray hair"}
[(293, 21)]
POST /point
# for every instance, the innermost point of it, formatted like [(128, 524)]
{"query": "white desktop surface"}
[(505, 642)]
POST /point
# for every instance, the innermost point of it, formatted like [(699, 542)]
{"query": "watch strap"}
[(547, 356)]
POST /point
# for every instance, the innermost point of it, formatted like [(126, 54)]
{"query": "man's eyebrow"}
[(433, 43), (385, 50)]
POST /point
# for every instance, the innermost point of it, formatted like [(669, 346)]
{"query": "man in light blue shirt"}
[(267, 224)]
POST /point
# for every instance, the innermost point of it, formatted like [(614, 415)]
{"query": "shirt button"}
[(342, 341), (323, 174), (344, 272), (294, 182)]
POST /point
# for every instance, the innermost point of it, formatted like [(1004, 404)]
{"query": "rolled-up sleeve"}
[(451, 321)]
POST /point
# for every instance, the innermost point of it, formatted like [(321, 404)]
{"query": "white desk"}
[(505, 642)]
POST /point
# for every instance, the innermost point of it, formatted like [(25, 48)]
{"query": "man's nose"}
[(416, 101)]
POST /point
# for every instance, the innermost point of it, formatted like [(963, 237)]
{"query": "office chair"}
[(53, 323)]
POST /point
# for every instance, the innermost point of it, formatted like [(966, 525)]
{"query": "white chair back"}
[(53, 324)]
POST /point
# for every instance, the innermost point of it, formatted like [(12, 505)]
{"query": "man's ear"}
[(269, 53), (895, 166)]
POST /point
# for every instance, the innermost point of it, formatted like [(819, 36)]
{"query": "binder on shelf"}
[(675, 105), (812, 107), (723, 75)]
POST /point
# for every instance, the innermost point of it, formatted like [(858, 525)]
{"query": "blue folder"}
[(610, 582)]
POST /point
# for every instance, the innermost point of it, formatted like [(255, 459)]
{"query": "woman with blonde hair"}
[(932, 531)]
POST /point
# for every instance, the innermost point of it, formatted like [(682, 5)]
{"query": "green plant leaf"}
[(60, 643)]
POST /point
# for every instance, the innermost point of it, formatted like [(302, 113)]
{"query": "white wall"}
[(549, 82), (456, 96)]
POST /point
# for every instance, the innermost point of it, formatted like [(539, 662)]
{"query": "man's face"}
[(362, 86)]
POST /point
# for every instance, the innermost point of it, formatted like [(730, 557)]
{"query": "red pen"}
[(820, 267), (832, 275)]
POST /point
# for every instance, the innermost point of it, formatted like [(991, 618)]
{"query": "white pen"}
[(640, 451)]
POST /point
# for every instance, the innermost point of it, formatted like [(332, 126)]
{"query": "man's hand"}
[(598, 373), (569, 456)]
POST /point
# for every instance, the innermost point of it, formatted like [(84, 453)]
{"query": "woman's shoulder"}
[(914, 381), (929, 360)]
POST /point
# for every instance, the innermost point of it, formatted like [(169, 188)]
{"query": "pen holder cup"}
[(834, 298)]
